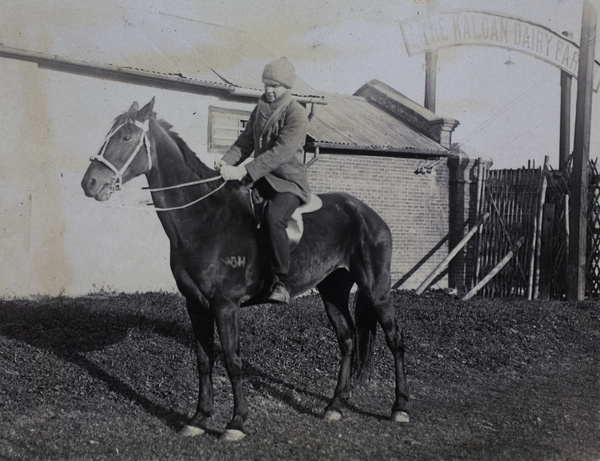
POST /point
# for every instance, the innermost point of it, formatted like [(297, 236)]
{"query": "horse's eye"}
[(126, 138)]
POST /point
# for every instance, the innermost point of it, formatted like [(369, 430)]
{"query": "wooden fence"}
[(531, 205)]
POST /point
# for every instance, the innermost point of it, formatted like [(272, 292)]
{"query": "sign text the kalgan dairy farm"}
[(479, 28)]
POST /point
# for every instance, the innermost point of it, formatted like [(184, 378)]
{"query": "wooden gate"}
[(510, 197), (532, 204)]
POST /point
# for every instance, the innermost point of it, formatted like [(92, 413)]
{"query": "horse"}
[(219, 265)]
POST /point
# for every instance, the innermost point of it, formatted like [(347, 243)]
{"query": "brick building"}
[(391, 153)]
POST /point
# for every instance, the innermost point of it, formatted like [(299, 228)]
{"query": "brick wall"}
[(415, 206)]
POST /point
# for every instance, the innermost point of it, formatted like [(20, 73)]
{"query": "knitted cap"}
[(281, 71)]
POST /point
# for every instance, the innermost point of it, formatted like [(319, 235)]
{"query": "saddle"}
[(295, 226)]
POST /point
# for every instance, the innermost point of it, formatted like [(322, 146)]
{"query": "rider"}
[(276, 133)]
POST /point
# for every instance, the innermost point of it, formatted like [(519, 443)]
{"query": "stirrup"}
[(279, 294)]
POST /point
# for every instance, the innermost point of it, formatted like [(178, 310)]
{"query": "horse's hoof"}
[(332, 415), (400, 417), (191, 431), (232, 435)]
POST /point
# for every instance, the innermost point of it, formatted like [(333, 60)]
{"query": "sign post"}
[(581, 154), (565, 115), (430, 79)]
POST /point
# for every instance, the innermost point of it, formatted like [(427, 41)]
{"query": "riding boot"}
[(278, 212), (279, 293)]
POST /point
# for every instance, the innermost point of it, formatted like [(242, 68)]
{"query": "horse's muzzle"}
[(100, 190)]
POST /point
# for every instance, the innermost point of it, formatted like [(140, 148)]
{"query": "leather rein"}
[(117, 179)]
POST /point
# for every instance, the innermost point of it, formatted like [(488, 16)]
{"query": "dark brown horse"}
[(218, 264)]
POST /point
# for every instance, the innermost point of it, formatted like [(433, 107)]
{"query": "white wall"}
[(54, 240)]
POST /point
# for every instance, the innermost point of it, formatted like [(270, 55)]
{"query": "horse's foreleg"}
[(335, 291), (203, 326), (226, 316)]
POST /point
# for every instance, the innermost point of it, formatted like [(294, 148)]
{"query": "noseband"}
[(117, 179)]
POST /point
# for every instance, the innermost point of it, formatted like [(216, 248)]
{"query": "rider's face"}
[(273, 91)]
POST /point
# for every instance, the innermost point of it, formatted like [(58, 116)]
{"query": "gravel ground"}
[(112, 376)]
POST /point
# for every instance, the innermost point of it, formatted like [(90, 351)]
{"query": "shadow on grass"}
[(69, 328), (282, 390)]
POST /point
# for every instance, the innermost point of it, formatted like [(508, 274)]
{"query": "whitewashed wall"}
[(54, 240)]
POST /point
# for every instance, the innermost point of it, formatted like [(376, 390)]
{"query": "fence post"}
[(538, 230), (547, 257), (536, 246)]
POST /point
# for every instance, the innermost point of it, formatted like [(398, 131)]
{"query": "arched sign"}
[(487, 29)]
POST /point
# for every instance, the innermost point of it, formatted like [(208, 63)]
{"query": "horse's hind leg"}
[(335, 292), (394, 338), (373, 304)]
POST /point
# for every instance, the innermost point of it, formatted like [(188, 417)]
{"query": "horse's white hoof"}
[(232, 435), (332, 415), (191, 431), (400, 417)]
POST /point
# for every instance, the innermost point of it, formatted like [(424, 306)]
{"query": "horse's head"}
[(126, 154)]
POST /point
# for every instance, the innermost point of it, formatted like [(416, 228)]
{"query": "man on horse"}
[(276, 133)]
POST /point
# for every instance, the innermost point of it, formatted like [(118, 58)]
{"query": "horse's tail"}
[(364, 339)]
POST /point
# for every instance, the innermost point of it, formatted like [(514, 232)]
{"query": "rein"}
[(177, 186), (193, 183)]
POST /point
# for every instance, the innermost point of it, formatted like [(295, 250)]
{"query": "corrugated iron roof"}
[(352, 122), (149, 42), (164, 45)]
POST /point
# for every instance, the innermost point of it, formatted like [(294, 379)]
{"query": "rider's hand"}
[(220, 164), (233, 173)]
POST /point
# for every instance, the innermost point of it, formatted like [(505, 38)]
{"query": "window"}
[(224, 127)]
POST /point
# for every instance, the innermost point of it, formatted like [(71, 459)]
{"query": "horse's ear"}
[(146, 112), (134, 107)]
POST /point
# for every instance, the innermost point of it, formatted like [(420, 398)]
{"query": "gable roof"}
[(136, 43), (354, 123), (418, 117)]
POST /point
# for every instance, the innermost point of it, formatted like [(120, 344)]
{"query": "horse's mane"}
[(189, 156)]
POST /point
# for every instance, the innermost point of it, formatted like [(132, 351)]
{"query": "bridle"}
[(117, 180)]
